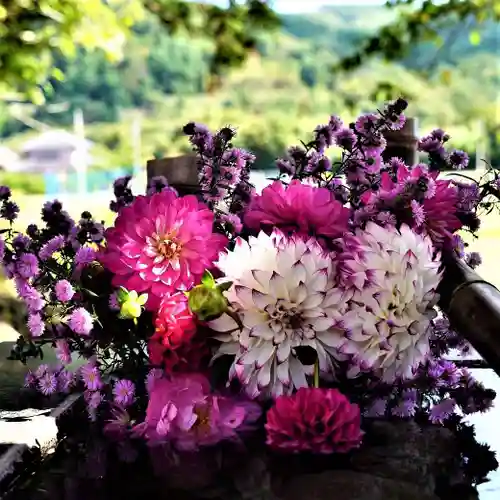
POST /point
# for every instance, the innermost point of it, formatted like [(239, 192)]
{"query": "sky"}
[(294, 6), (289, 6)]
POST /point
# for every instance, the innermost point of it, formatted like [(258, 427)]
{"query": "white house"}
[(9, 160), (55, 151)]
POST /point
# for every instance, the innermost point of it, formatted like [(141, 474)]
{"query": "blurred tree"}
[(422, 21), (31, 31)]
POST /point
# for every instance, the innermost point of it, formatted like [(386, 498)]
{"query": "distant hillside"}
[(286, 88)]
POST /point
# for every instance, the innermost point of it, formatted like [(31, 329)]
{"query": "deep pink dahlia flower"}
[(161, 244), (183, 411), (298, 208), (314, 420)]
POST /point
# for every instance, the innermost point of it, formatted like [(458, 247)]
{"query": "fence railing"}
[(94, 181)]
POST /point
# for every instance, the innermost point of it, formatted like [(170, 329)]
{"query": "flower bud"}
[(131, 303), (207, 301)]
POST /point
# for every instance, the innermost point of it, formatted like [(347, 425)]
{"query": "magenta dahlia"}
[(161, 244), (314, 420), (298, 208)]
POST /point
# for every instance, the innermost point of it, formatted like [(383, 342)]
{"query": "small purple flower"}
[(442, 411), (123, 392), (81, 321), (47, 384), (30, 380), (407, 405), (458, 159), (473, 260), (65, 381), (64, 290), (114, 305), (42, 370), (5, 193), (397, 122), (62, 351), (458, 245), (91, 377), (27, 266), (52, 246), (377, 409), (84, 256), (366, 124), (418, 213), (36, 324), (21, 242), (345, 139), (9, 211), (31, 296)]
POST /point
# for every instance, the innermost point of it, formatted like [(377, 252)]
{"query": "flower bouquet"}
[(288, 321)]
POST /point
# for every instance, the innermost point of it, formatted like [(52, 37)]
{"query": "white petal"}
[(332, 338), (284, 349), (223, 324), (267, 350), (297, 373), (283, 373)]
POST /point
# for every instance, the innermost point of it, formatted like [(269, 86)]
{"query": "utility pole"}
[(80, 153)]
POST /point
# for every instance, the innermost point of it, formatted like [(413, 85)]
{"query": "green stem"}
[(316, 373)]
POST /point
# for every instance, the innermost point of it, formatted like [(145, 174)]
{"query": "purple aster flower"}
[(36, 324), (27, 266), (21, 242), (366, 124), (442, 411), (93, 400), (458, 245), (396, 122), (62, 351), (84, 256), (123, 392), (156, 185), (377, 409), (52, 246), (47, 384), (42, 370), (473, 259), (407, 406), (30, 380), (81, 321), (5, 193), (31, 296), (9, 211), (91, 377), (114, 305), (345, 139), (458, 159), (65, 381), (64, 290), (418, 213)]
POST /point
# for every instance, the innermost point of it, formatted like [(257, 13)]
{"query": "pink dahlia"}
[(183, 411), (298, 208), (435, 214), (173, 345), (314, 420), (161, 244)]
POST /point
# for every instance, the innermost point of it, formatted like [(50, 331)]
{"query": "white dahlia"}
[(395, 274), (285, 292)]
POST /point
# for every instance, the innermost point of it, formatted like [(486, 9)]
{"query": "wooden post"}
[(181, 172), (402, 143), (473, 307)]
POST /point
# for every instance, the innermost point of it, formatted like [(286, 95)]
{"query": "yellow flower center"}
[(168, 246)]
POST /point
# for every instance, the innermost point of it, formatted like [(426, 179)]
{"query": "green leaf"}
[(208, 280), (226, 285), (474, 38)]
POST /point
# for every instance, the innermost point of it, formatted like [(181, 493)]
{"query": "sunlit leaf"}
[(474, 38)]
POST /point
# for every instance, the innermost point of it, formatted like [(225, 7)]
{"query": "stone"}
[(350, 485)]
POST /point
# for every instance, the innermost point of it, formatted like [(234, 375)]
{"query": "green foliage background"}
[(284, 90)]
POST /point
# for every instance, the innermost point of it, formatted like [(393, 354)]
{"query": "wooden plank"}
[(181, 172)]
